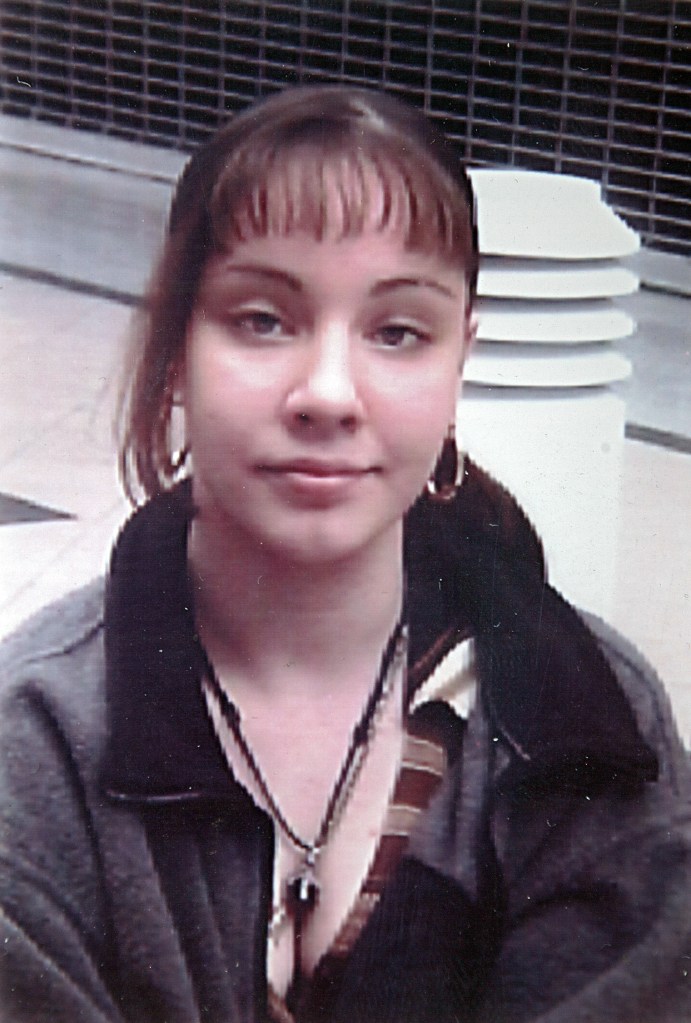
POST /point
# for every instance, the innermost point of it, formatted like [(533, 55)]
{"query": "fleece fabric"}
[(548, 881)]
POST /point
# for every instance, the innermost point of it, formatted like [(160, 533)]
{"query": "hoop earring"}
[(177, 461), (176, 431), (447, 477)]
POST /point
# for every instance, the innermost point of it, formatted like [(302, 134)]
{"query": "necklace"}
[(302, 889)]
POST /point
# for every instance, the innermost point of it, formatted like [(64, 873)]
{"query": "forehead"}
[(338, 272)]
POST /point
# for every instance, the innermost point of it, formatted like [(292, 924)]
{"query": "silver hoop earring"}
[(177, 461), (447, 477)]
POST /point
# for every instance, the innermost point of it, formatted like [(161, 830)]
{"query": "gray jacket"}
[(550, 879)]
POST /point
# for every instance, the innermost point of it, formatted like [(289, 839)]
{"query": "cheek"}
[(221, 390), (416, 430), (422, 403)]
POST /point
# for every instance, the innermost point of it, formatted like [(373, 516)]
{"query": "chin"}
[(316, 537), (319, 543), (318, 551)]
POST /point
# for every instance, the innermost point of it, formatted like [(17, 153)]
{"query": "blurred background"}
[(573, 114)]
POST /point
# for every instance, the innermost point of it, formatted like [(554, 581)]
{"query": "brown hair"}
[(267, 171)]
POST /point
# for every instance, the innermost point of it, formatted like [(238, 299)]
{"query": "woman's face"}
[(319, 380)]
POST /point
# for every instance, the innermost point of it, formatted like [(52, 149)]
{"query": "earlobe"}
[(471, 325)]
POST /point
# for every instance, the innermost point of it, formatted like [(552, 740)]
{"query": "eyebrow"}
[(390, 284), (379, 288), (257, 270)]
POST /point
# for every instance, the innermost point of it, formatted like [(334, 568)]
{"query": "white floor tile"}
[(652, 602)]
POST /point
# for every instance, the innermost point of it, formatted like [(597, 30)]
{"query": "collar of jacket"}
[(474, 565)]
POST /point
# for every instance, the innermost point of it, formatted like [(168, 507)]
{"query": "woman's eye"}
[(260, 323), (400, 335)]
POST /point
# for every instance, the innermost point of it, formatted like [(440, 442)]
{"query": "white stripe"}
[(454, 681)]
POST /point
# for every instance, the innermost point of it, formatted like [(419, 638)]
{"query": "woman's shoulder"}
[(647, 698), (58, 626), (57, 654)]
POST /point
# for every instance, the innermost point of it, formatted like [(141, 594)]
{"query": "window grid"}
[(599, 89)]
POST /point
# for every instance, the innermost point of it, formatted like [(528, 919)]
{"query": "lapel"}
[(545, 686)]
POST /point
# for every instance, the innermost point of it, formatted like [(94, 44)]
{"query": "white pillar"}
[(538, 410)]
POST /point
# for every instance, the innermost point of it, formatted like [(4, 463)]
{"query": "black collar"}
[(473, 565)]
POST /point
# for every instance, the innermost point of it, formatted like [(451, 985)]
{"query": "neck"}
[(280, 623)]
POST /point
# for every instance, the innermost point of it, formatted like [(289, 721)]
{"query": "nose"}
[(325, 393)]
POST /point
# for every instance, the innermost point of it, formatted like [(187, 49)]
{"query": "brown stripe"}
[(390, 850), (401, 818), (352, 926), (412, 793), (415, 788), (425, 665), (423, 753)]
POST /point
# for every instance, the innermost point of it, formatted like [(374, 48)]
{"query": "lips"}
[(317, 468), (316, 483)]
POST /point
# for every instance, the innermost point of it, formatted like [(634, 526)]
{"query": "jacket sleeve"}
[(54, 942), (597, 914)]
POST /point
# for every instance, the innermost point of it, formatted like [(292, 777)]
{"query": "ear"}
[(470, 324)]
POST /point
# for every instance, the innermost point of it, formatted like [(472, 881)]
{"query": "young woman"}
[(241, 781)]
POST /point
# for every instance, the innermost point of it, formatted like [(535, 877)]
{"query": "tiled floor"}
[(658, 394), (60, 352), (60, 355), (652, 598)]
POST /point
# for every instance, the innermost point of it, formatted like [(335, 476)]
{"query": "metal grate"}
[(597, 88)]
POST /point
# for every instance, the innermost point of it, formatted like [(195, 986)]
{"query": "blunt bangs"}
[(340, 193)]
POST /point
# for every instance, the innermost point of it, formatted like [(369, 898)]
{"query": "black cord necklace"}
[(302, 889)]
